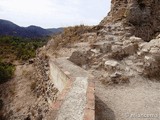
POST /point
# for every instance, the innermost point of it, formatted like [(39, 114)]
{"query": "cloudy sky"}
[(54, 13)]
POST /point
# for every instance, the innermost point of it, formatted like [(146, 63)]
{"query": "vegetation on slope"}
[(6, 71), (14, 48)]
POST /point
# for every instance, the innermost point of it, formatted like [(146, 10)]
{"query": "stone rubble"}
[(131, 56)]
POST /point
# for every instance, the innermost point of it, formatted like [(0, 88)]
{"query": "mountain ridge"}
[(32, 31)]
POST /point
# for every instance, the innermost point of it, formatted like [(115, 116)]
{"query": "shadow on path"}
[(102, 111)]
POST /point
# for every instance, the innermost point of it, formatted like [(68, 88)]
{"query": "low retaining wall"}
[(58, 77), (77, 96)]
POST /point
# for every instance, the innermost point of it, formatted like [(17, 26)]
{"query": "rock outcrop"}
[(126, 41), (123, 48), (141, 15)]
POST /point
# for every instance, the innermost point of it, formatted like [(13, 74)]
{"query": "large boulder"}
[(79, 58)]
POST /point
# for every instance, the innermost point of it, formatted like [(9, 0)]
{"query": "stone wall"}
[(141, 15), (45, 86), (77, 98), (58, 77)]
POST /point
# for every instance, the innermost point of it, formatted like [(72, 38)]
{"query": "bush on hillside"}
[(19, 48), (14, 48), (70, 35), (6, 72)]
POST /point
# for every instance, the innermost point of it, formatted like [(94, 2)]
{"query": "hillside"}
[(121, 57), (11, 29)]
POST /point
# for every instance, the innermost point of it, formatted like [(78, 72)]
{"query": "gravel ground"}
[(140, 100)]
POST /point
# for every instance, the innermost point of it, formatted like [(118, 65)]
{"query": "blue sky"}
[(54, 13)]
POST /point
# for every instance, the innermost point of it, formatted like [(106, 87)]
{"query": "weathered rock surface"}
[(141, 15), (79, 58)]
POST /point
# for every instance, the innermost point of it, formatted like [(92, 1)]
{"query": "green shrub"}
[(15, 48), (6, 72), (21, 48)]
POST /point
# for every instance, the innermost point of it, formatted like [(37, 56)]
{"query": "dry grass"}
[(69, 36)]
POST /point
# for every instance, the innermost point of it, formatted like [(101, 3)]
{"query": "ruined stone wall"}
[(44, 85), (142, 15), (117, 12)]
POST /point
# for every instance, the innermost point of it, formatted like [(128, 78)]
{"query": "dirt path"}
[(140, 100)]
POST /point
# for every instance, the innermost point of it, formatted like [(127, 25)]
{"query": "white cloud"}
[(54, 13)]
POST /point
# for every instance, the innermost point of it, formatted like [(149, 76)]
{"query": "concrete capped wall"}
[(57, 76), (76, 100)]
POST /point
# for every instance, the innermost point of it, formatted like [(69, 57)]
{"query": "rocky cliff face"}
[(142, 15)]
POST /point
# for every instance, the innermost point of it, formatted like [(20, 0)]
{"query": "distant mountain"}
[(9, 28), (55, 30)]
